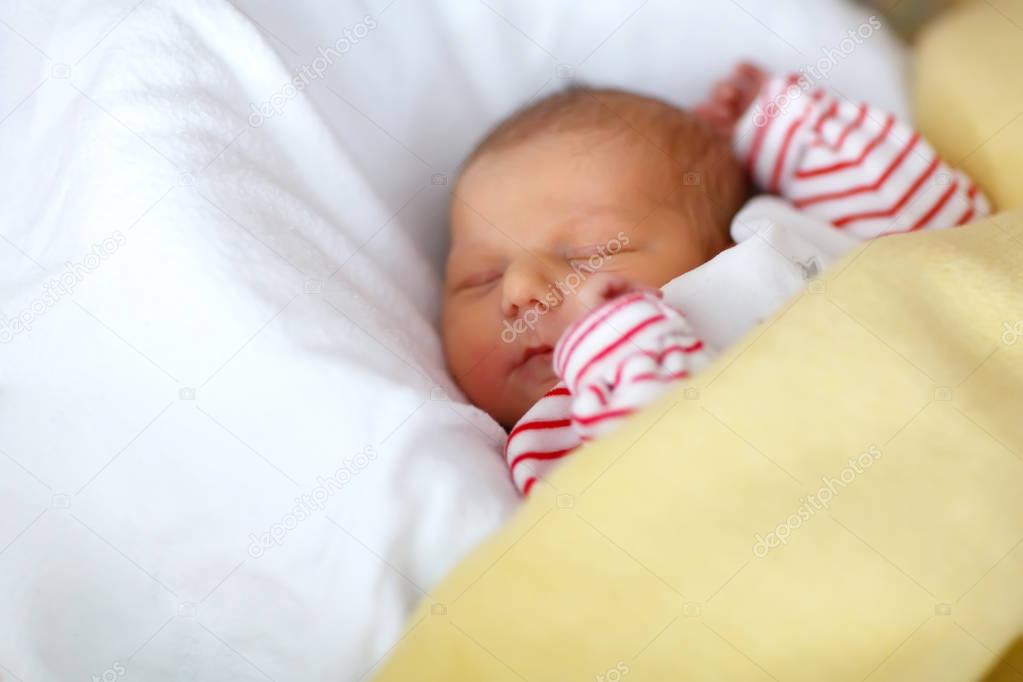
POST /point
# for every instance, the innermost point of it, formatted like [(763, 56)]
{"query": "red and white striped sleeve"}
[(849, 164), (619, 358), (542, 437)]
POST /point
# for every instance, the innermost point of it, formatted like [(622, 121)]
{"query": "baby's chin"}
[(521, 394)]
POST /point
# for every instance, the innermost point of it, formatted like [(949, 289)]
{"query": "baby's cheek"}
[(478, 354), (674, 261)]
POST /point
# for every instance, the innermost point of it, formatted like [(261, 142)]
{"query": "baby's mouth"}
[(535, 355)]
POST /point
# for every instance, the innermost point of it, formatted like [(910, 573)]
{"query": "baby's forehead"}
[(569, 166), (585, 208)]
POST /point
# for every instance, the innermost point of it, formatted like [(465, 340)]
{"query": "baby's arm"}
[(849, 164), (541, 438), (619, 358)]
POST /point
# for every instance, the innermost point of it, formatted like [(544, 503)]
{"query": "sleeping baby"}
[(601, 250)]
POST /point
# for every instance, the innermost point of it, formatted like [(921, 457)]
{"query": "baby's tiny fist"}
[(731, 97)]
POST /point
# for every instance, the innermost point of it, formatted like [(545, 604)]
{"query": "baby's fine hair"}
[(700, 157)]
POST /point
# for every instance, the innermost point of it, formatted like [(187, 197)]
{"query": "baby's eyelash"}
[(590, 251), (480, 279), (581, 253)]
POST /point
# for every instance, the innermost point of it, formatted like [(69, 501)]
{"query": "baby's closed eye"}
[(598, 245), (601, 250), (479, 279), (584, 252)]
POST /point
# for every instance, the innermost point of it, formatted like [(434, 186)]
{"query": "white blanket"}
[(228, 445)]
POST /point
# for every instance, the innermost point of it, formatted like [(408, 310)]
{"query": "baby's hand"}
[(731, 97)]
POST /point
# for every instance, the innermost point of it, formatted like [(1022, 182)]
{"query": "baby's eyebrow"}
[(470, 248), (595, 216)]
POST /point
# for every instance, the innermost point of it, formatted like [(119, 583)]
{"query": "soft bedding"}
[(977, 43), (229, 448)]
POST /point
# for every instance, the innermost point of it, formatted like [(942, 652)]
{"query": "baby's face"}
[(535, 228)]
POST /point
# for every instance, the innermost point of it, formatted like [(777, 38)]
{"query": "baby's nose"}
[(524, 287)]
